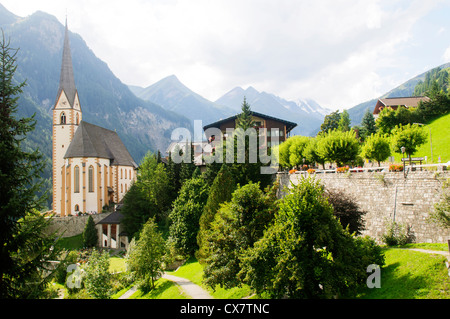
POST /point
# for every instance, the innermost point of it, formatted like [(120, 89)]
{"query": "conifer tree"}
[(344, 122), (24, 248), (90, 236), (220, 192), (368, 125), (244, 119)]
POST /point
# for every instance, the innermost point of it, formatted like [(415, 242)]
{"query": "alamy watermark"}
[(374, 280), (236, 150)]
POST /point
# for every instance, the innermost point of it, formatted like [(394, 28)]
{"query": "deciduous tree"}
[(145, 259), (376, 148), (408, 136)]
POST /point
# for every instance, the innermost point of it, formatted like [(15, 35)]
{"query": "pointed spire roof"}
[(67, 80)]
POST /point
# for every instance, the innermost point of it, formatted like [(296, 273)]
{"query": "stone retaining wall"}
[(72, 225), (390, 196)]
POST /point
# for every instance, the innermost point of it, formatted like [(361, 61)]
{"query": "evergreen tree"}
[(246, 166), (330, 122), (344, 122), (187, 166), (185, 216), (90, 236), (25, 249), (238, 224), (220, 192), (368, 125), (244, 119), (173, 175)]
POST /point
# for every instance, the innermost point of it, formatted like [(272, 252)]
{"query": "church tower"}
[(66, 119)]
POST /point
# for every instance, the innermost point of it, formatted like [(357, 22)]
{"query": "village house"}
[(396, 102), (282, 128)]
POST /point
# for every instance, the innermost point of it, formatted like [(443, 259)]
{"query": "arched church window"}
[(77, 208), (77, 119), (63, 118), (76, 179), (91, 179)]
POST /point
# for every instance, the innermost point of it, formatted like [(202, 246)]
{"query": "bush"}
[(306, 253), (347, 211), (397, 234)]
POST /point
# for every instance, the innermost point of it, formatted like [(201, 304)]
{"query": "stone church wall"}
[(390, 197)]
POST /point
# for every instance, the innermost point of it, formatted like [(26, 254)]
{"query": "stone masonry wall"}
[(390, 196), (72, 225)]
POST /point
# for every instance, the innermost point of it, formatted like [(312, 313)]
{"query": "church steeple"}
[(67, 116), (67, 80)]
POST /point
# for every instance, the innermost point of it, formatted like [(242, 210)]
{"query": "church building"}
[(91, 166)]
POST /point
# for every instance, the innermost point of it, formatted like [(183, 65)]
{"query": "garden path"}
[(193, 290)]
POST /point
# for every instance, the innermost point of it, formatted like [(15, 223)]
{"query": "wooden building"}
[(282, 127), (396, 102)]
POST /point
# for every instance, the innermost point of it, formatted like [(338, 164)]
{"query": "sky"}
[(337, 52)]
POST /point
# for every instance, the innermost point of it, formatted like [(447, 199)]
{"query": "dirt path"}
[(193, 290)]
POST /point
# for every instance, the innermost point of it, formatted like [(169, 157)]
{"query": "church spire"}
[(67, 81)]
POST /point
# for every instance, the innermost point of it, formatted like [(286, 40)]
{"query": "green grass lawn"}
[(164, 289), (71, 243), (411, 275), (440, 139)]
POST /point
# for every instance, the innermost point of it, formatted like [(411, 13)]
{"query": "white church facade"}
[(91, 166)]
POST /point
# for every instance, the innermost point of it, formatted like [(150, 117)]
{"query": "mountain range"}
[(175, 96)]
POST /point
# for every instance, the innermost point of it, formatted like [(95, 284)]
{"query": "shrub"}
[(397, 234), (347, 211), (306, 253)]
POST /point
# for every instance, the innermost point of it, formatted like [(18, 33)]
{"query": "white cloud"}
[(446, 56)]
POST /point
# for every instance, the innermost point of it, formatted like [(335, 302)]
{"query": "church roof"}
[(91, 140), (67, 81)]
